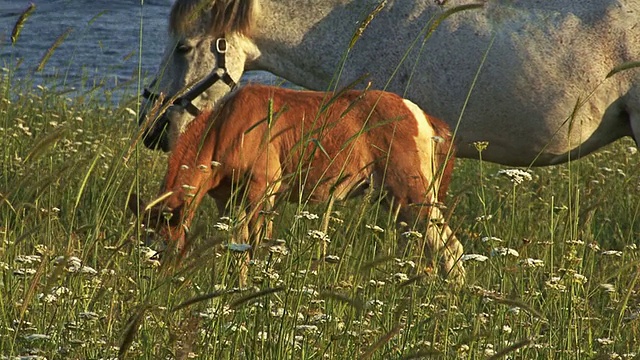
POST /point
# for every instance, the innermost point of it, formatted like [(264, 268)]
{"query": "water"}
[(103, 47)]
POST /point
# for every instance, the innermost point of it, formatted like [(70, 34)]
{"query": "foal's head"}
[(161, 223)]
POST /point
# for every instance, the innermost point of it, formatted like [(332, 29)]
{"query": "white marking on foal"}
[(425, 145)]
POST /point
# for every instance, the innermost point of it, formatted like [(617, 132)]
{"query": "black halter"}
[(185, 101)]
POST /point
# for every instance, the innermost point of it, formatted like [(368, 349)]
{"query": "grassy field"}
[(552, 262)]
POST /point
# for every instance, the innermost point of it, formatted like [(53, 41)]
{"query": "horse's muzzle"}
[(155, 136)]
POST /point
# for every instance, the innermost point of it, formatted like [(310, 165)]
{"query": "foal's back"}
[(331, 139)]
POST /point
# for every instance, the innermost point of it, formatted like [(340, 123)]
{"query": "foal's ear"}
[(136, 204)]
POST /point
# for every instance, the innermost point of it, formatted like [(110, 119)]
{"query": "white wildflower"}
[(336, 220), (492, 239), (516, 176), (531, 263), (400, 277), (279, 248), (306, 215), (610, 288), (88, 270), (555, 283), (320, 318), (28, 259), (579, 278), (575, 242), (48, 298), (23, 272), (221, 226), (74, 265), (310, 291), (488, 350), (412, 234), (34, 337), (474, 257), (407, 263), (234, 328), (307, 329), (271, 275), (514, 310), (560, 208), (483, 218), (150, 256), (376, 283), (25, 129), (503, 251), (279, 312), (604, 341), (593, 246), (612, 253), (318, 235), (375, 228)]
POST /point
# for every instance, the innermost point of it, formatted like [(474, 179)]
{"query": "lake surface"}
[(109, 43)]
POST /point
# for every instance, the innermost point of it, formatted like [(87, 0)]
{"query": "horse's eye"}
[(182, 48)]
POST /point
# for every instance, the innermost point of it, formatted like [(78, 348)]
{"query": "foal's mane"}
[(190, 141), (213, 17)]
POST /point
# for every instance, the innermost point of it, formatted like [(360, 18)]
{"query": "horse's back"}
[(513, 73)]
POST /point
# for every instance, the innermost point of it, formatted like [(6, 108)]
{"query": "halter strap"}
[(185, 101)]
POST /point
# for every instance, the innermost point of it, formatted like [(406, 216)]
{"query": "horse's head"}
[(161, 223), (203, 59)]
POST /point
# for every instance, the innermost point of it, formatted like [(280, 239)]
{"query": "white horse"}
[(528, 77)]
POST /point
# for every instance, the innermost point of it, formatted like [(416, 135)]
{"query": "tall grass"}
[(559, 279), (552, 260)]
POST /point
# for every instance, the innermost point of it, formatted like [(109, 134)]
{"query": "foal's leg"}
[(239, 235), (439, 242), (442, 242), (262, 184)]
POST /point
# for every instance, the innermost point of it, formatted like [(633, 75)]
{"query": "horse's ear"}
[(136, 204)]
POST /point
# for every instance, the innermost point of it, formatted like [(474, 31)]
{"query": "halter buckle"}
[(221, 45)]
